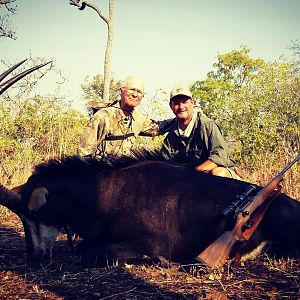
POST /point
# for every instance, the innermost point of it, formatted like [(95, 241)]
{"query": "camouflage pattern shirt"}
[(111, 133)]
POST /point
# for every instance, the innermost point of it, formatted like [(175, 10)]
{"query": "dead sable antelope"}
[(151, 208)]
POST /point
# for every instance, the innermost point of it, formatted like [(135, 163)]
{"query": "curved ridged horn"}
[(7, 72), (4, 86), (9, 199)]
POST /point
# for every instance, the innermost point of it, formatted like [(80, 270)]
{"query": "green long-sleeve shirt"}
[(204, 142)]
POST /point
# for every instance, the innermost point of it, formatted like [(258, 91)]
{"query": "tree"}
[(295, 48), (6, 29), (110, 23), (36, 129), (254, 102), (93, 90)]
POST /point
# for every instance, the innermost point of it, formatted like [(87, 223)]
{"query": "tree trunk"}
[(81, 5), (107, 61)]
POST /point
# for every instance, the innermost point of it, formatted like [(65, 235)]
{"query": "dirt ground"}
[(64, 278)]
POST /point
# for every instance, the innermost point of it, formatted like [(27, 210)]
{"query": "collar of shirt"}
[(188, 130), (125, 120)]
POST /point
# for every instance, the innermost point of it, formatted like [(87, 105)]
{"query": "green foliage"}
[(254, 102), (93, 88), (37, 129)]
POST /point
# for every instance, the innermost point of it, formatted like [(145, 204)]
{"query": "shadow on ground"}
[(64, 278)]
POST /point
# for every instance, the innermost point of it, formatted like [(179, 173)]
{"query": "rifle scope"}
[(239, 202)]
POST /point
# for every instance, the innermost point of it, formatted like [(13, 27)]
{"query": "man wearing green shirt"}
[(195, 140)]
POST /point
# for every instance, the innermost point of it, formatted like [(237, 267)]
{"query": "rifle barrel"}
[(244, 198), (289, 165)]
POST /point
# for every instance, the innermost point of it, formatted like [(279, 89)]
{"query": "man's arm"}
[(93, 136), (207, 166), (154, 128), (217, 147)]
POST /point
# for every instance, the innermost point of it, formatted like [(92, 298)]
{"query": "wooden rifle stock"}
[(216, 253)]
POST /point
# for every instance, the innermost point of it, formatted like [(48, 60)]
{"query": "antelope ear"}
[(9, 199), (37, 198), (18, 189)]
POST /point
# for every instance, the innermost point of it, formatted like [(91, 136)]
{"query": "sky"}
[(167, 42)]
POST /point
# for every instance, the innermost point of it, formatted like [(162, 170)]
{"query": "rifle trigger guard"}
[(248, 224)]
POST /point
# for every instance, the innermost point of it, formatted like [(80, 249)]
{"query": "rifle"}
[(248, 210)]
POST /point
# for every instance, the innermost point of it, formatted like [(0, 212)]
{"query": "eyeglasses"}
[(132, 91)]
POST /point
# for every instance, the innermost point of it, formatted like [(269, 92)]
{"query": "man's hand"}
[(206, 167)]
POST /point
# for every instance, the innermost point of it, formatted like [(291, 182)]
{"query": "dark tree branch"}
[(82, 4), (7, 4), (6, 29)]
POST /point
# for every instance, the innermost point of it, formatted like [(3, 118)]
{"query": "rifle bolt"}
[(245, 213)]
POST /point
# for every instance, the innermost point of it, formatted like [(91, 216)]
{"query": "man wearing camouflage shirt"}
[(195, 140), (112, 130)]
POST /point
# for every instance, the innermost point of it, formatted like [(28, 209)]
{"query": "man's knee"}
[(220, 171)]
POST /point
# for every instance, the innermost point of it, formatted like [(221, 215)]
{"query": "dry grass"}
[(64, 278), (264, 172)]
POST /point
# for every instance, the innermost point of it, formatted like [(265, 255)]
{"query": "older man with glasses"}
[(112, 130)]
